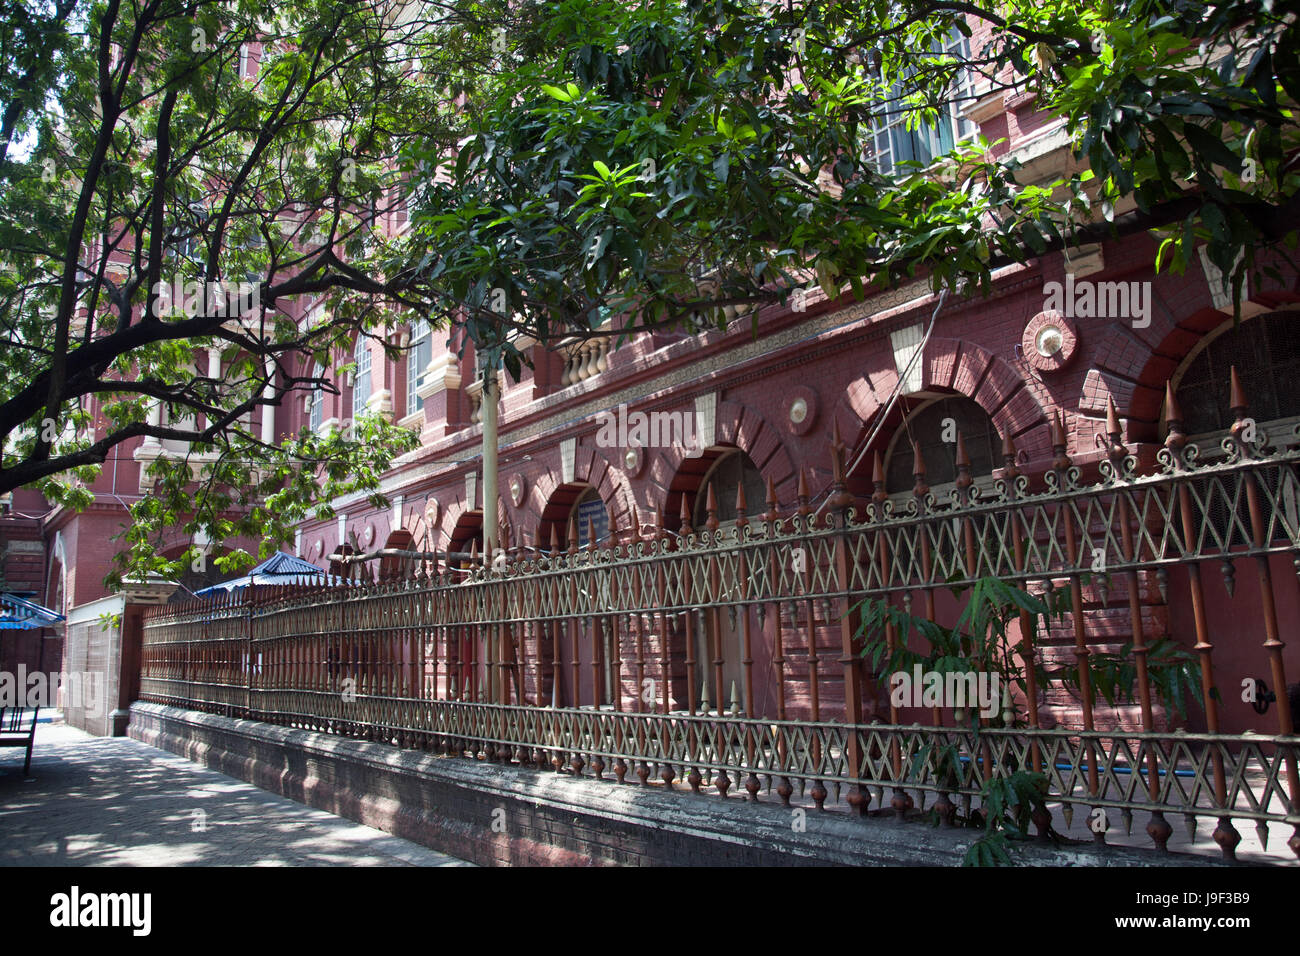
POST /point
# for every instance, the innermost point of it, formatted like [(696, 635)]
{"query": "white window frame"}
[(361, 378), (421, 337), (316, 402), (883, 127)]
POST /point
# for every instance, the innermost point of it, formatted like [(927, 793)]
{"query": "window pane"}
[(361, 384), (417, 361)]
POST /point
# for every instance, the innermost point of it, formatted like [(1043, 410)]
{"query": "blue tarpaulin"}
[(19, 614)]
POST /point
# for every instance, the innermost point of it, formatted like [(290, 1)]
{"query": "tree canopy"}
[(658, 160), (176, 177), (565, 163)]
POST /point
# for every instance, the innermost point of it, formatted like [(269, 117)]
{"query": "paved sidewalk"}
[(111, 801)]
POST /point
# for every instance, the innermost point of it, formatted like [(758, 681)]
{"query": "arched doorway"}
[(1266, 352), (466, 536), (708, 646), (932, 423), (573, 504), (576, 659)]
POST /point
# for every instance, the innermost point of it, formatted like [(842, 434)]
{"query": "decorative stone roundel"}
[(633, 462), (1049, 341), (801, 410), (518, 487)]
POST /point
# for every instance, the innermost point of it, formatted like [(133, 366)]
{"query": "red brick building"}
[(765, 405)]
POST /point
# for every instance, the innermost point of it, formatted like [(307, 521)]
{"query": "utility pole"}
[(491, 399)]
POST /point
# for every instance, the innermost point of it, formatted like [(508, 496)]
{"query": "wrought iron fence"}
[(586, 660)]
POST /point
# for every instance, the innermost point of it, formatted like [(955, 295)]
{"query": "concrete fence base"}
[(498, 815)]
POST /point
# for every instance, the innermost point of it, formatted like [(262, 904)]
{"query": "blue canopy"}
[(18, 614), (279, 568)]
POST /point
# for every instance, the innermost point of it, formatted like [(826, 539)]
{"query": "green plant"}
[(979, 640)]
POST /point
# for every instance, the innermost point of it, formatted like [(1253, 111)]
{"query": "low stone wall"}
[(497, 815)]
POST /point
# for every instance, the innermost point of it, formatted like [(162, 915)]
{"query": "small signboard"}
[(592, 511)]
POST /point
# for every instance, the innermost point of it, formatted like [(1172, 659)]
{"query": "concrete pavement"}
[(101, 801)]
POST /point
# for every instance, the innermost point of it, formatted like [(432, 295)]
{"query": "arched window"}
[(316, 401), (589, 511), (1266, 352), (731, 471), (934, 426), (361, 379), (728, 474), (417, 362)]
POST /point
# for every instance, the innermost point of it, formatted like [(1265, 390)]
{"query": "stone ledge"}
[(551, 819)]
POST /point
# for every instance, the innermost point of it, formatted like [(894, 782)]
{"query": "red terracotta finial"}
[(555, 539), (1058, 431), (741, 518), (473, 552), (801, 495), (877, 477), (591, 534), (1061, 461), (711, 508), (964, 479), (1242, 427), (573, 534), (771, 501), (1009, 469), (660, 532), (919, 486), (1115, 432), (1237, 398), (636, 525), (1113, 428), (685, 514), (1176, 438)]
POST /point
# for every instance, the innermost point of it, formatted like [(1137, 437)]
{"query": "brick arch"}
[(736, 424), (394, 567), (591, 467), (1145, 402), (1017, 403)]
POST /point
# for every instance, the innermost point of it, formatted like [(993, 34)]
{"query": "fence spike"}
[(1239, 406), (964, 479), (1010, 471), (710, 508), (1061, 460), (802, 494), (1176, 437), (1113, 429), (685, 514), (1236, 394), (771, 515)]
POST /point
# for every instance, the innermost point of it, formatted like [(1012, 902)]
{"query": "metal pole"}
[(490, 400)]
